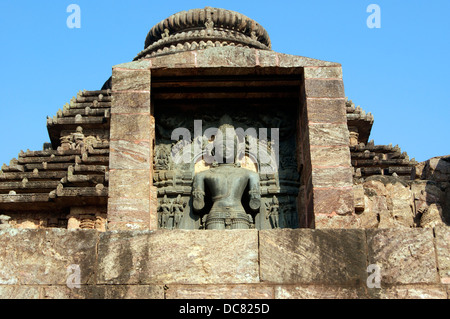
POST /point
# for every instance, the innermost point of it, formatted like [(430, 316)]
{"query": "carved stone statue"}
[(162, 158), (273, 212), (178, 206), (165, 211), (226, 182)]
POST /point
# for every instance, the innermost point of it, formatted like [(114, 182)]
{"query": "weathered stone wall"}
[(275, 264), (393, 202)]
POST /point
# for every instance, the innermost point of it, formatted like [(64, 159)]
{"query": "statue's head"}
[(226, 144)]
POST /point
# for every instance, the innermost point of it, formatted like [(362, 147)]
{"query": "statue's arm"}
[(198, 192), (255, 191)]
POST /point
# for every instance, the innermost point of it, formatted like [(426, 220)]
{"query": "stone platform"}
[(238, 264)]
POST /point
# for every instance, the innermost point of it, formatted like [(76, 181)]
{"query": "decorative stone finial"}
[(187, 30)]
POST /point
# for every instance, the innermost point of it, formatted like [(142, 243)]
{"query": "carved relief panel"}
[(195, 190)]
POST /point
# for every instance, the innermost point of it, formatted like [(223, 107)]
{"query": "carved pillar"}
[(131, 148)]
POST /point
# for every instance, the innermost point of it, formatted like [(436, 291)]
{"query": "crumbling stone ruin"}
[(112, 184)]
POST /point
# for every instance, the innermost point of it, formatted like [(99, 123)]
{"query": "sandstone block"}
[(307, 256), (432, 217), (129, 184), (130, 80), (130, 155), (443, 252), (19, 292), (181, 59), (128, 226), (128, 210), (267, 58), (42, 257), (367, 218), (333, 201), (134, 65), (410, 292), (327, 221), (291, 61), (374, 188), (329, 135), (400, 194), (130, 102), (316, 88), (437, 169), (360, 203), (104, 292), (405, 256), (403, 217), (178, 257), (318, 292), (428, 192), (330, 156), (220, 292), (226, 57), (334, 72), (131, 127), (332, 177), (326, 110)]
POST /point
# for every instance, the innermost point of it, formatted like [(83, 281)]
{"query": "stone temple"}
[(211, 166)]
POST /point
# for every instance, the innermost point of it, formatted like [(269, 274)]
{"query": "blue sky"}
[(398, 72)]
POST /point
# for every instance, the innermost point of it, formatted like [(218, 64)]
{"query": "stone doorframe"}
[(326, 194)]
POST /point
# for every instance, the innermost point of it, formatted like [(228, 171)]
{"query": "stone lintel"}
[(235, 57)]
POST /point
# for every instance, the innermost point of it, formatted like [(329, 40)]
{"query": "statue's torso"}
[(227, 185)]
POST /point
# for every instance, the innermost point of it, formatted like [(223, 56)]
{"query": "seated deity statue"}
[(227, 182)]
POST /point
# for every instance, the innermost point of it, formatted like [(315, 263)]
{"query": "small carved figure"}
[(209, 24), (162, 158), (178, 206), (165, 211), (78, 138), (273, 212), (66, 142)]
